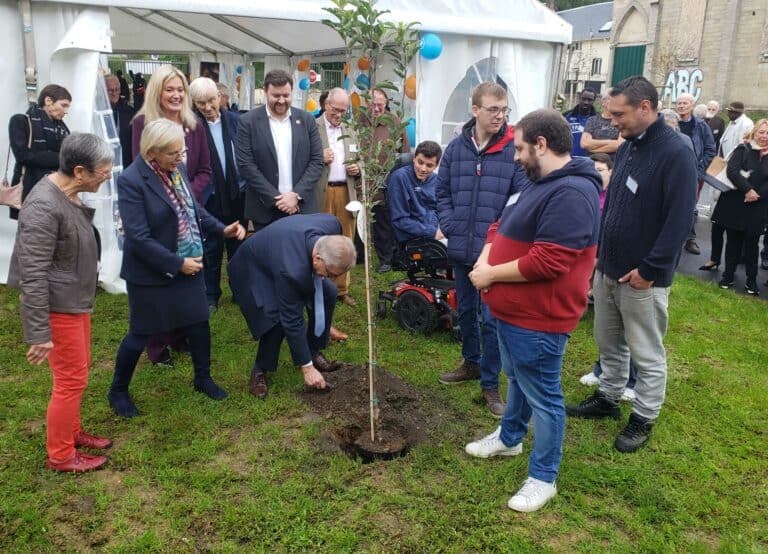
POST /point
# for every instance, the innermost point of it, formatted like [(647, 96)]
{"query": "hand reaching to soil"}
[(313, 378)]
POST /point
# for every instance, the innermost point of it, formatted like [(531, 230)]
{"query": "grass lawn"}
[(194, 475)]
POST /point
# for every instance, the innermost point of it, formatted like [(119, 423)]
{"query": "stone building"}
[(713, 49), (585, 62)]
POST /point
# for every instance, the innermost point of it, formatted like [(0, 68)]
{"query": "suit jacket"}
[(123, 113), (271, 276), (349, 139), (198, 164), (151, 226), (257, 162)]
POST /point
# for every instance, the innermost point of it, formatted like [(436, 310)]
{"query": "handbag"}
[(716, 175), (10, 195)]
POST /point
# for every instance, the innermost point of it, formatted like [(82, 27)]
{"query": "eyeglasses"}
[(177, 154), (331, 274), (101, 174), (333, 109), (495, 110)]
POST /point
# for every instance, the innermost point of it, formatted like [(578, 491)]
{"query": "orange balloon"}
[(410, 87), (346, 69), (312, 105), (303, 65), (354, 99), (364, 64)]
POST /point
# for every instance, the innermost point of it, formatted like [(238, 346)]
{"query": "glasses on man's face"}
[(495, 110), (330, 108), (331, 274)]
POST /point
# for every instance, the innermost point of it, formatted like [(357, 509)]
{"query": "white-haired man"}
[(340, 177), (704, 149), (224, 195)]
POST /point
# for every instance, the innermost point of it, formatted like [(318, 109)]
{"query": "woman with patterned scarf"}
[(38, 155), (165, 229)]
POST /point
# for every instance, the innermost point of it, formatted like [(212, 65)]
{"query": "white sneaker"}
[(628, 395), (492, 446), (532, 495), (590, 379)]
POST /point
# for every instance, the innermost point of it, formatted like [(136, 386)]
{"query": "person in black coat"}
[(162, 259), (122, 114), (279, 272), (744, 212), (38, 156), (224, 195)]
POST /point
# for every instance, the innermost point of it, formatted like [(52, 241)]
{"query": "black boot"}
[(635, 435), (128, 354), (595, 406)]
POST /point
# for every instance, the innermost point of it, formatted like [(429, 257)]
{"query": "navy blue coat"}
[(412, 205), (472, 190), (271, 276), (703, 145), (151, 226)]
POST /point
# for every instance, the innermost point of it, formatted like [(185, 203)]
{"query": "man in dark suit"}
[(273, 290), (279, 155), (123, 114)]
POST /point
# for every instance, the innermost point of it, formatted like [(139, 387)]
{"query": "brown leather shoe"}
[(257, 385), (338, 335), (346, 299), (79, 463), (691, 247), (92, 441), (467, 371), (322, 365), (493, 401)]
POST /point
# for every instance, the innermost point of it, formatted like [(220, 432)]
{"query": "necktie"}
[(319, 307)]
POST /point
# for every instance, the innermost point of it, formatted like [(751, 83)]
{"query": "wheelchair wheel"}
[(416, 313), (381, 308)]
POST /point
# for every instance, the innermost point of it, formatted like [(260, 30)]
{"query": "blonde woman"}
[(167, 97), (743, 212), (162, 266)]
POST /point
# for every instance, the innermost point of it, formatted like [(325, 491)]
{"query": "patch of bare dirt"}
[(403, 413)]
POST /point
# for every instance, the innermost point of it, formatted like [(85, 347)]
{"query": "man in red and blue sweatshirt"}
[(534, 274)]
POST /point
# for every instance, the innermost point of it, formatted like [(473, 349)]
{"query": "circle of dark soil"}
[(402, 415)]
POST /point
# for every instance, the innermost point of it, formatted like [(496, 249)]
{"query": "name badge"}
[(632, 184), (513, 199), (353, 148)]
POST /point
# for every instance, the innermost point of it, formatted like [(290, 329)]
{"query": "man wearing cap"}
[(739, 126)]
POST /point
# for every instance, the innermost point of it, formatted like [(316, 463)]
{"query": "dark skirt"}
[(155, 309)]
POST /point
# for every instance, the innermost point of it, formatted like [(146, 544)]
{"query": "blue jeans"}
[(532, 361), (214, 254), (471, 311)]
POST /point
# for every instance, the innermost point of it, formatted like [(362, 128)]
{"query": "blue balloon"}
[(316, 112), (239, 70), (410, 129), (346, 83), (304, 84), (431, 46), (363, 82)]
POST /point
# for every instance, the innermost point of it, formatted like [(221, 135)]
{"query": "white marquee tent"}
[(516, 43)]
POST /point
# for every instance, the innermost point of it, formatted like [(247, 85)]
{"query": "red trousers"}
[(69, 361)]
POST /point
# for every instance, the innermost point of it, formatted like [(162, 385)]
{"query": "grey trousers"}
[(632, 323)]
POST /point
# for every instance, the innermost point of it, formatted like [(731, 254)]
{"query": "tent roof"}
[(294, 26)]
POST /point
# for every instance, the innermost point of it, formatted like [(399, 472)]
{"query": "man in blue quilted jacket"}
[(473, 184)]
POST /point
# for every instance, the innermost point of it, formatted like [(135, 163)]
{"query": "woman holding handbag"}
[(36, 137), (743, 212)]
